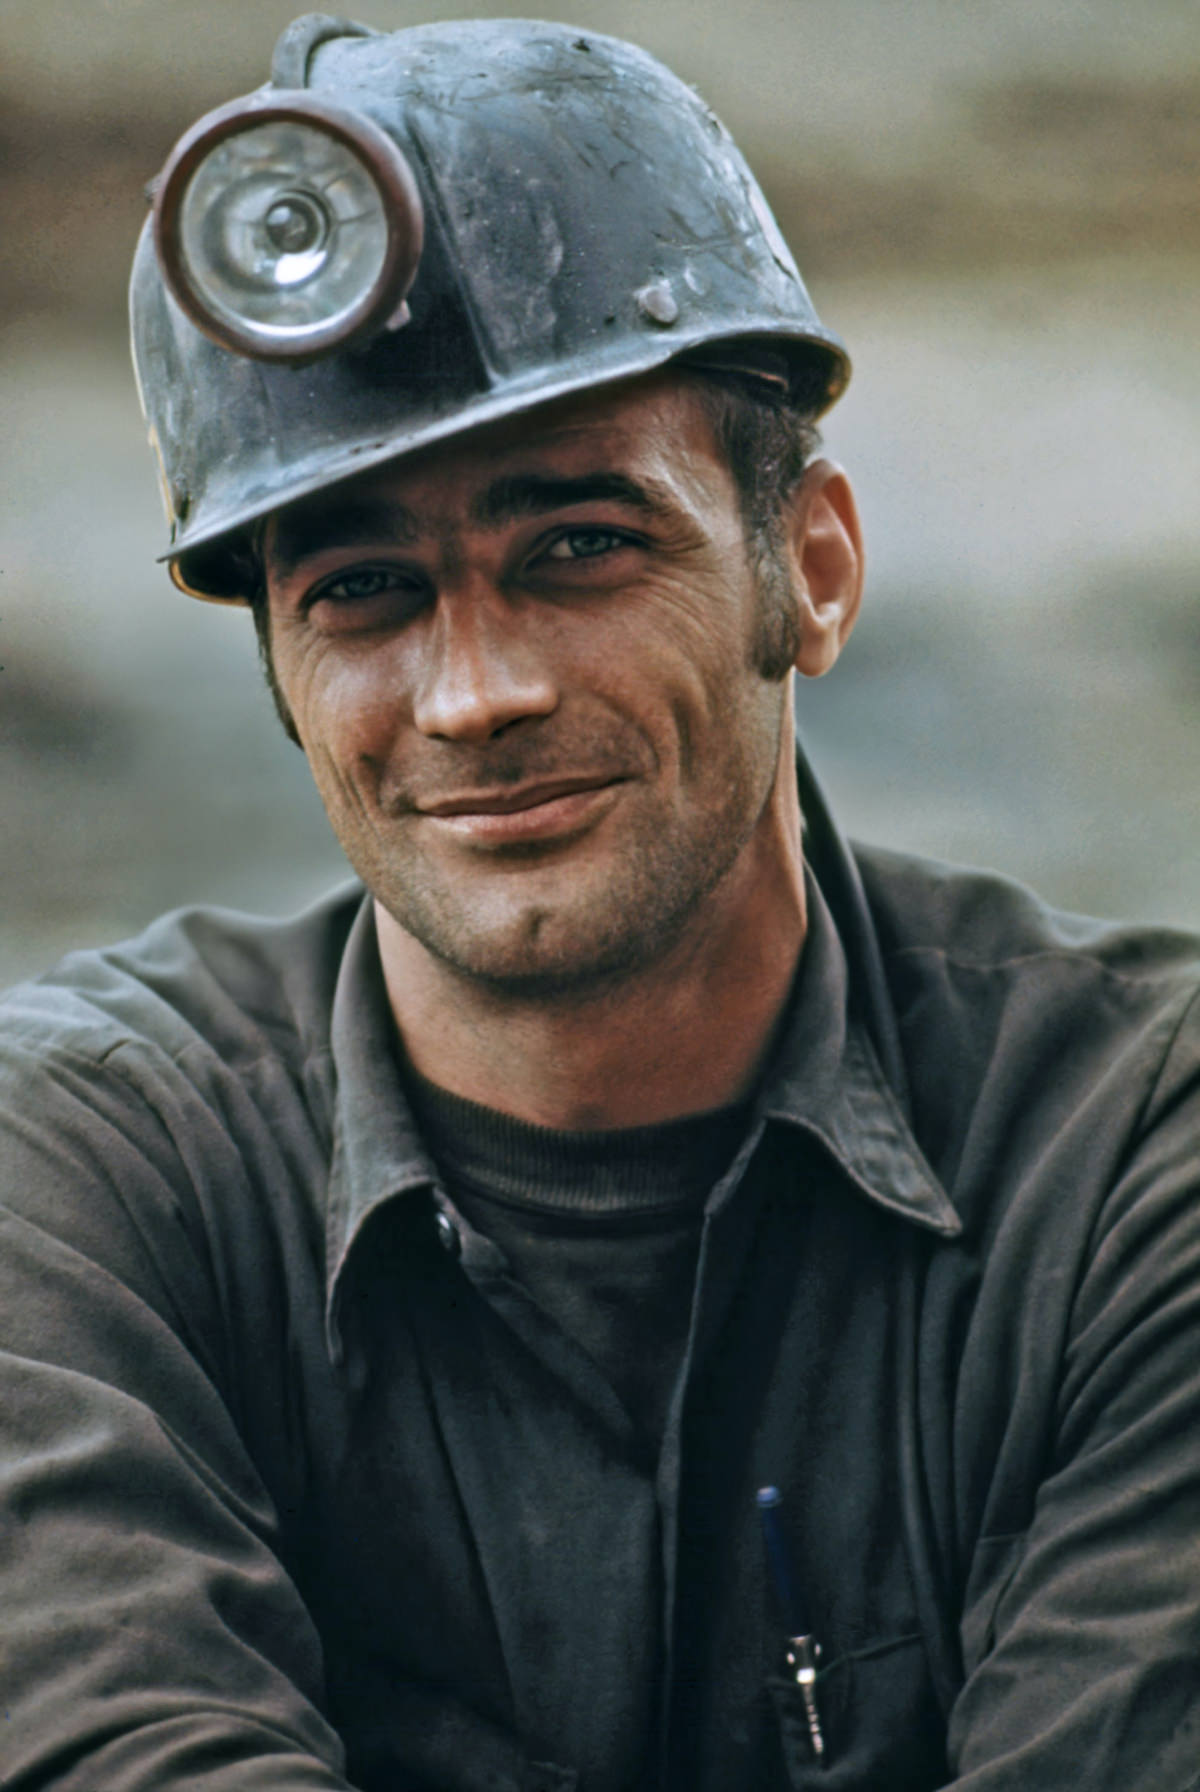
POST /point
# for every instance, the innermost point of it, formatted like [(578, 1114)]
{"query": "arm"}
[(151, 1635), (1083, 1633)]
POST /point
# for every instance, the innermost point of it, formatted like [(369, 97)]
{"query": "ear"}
[(826, 552)]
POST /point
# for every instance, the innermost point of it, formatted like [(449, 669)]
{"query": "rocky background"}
[(999, 209)]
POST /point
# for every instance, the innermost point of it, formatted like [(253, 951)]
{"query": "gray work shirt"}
[(294, 1496)]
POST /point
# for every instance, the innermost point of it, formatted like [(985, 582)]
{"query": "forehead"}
[(652, 435)]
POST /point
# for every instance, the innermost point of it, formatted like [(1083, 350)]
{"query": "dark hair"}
[(249, 577), (767, 437)]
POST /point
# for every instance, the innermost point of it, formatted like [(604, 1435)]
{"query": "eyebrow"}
[(314, 527), (517, 495), (305, 529)]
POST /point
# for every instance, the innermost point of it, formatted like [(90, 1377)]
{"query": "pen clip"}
[(803, 1653)]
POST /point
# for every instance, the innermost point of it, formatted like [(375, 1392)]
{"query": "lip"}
[(527, 812)]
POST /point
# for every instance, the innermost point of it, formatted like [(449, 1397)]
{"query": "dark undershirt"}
[(601, 1229)]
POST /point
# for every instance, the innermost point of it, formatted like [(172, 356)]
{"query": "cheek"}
[(345, 703), (688, 631), (679, 690)]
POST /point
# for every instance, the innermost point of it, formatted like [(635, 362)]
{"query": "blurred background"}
[(999, 209)]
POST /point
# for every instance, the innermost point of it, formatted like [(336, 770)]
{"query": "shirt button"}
[(447, 1233)]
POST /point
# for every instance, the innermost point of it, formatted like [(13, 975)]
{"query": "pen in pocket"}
[(803, 1649)]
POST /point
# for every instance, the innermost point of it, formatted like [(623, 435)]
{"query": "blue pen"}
[(803, 1649)]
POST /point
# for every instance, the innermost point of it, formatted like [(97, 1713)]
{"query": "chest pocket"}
[(878, 1721)]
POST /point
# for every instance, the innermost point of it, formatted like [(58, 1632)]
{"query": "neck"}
[(684, 1035)]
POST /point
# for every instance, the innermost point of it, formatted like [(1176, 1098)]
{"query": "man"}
[(631, 1295)]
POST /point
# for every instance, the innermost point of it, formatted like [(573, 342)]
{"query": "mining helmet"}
[(406, 235)]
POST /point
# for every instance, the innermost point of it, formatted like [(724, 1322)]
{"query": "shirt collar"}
[(823, 1077), (377, 1153)]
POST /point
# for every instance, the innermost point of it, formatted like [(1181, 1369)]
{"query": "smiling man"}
[(630, 1296), (534, 674)]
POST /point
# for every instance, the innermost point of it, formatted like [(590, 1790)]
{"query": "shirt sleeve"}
[(1084, 1639), (151, 1636)]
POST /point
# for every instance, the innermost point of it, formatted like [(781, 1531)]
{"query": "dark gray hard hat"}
[(570, 214)]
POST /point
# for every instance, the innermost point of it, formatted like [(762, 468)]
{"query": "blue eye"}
[(362, 582), (585, 544), (367, 597)]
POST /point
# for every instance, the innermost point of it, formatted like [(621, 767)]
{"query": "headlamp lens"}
[(287, 227), (282, 228)]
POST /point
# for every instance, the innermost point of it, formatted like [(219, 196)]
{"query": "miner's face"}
[(523, 670)]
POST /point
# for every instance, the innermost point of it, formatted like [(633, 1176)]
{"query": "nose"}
[(484, 669)]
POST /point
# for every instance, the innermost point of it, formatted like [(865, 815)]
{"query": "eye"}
[(361, 582), (366, 596), (585, 543)]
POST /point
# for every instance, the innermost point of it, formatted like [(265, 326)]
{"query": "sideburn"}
[(776, 639), (260, 610)]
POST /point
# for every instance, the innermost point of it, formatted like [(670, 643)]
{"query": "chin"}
[(539, 950), (563, 930), (541, 958)]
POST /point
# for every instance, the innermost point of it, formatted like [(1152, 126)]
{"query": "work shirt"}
[(301, 1489)]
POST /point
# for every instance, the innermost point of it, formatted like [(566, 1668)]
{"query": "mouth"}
[(541, 810)]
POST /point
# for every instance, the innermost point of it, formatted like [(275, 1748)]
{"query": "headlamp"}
[(286, 226)]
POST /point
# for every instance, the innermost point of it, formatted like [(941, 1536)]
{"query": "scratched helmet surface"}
[(580, 216)]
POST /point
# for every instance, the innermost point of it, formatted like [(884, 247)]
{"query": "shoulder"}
[(983, 920), (1029, 1033), (239, 984), (951, 935), (176, 1085)]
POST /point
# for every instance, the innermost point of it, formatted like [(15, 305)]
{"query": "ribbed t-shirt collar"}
[(636, 1169)]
